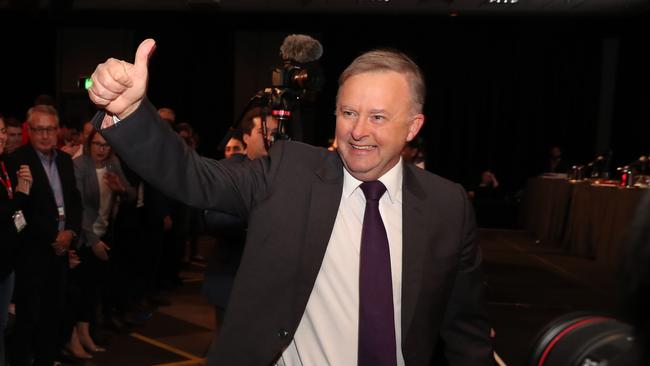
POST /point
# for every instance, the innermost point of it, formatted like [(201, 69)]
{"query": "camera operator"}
[(295, 86)]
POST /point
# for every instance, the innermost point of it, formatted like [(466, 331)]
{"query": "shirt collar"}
[(392, 180), (45, 158)]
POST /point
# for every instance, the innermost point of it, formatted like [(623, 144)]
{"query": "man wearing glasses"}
[(53, 219)]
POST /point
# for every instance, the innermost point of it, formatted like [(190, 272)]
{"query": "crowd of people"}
[(88, 247), (124, 241)]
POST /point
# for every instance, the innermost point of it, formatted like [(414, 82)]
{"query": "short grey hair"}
[(42, 108), (383, 60)]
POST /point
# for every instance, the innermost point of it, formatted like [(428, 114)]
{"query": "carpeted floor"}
[(528, 285)]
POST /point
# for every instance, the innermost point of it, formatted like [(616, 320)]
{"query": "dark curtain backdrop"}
[(500, 90)]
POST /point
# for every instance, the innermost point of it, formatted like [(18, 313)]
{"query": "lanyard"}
[(6, 182)]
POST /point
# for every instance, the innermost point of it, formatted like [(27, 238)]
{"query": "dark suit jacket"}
[(291, 200), (42, 214), (8, 231)]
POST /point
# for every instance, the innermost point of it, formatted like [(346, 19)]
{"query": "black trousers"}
[(40, 303)]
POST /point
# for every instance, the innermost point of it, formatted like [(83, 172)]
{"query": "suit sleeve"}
[(37, 228), (465, 330), (160, 157)]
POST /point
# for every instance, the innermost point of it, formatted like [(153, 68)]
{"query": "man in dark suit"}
[(323, 280), (53, 217)]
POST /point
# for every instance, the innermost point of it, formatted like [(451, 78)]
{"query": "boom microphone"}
[(301, 48)]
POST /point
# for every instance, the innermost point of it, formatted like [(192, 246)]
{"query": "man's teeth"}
[(364, 147)]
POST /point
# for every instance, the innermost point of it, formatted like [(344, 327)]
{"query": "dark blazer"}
[(42, 214), (8, 231), (291, 200)]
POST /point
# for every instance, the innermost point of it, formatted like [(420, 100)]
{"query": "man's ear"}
[(415, 125)]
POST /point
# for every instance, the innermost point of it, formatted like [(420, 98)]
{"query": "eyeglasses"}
[(100, 145), (43, 130)]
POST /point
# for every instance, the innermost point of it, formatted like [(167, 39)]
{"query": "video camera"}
[(293, 83)]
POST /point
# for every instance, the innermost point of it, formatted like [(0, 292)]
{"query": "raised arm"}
[(151, 149)]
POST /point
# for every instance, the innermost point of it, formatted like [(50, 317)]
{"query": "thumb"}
[(144, 52)]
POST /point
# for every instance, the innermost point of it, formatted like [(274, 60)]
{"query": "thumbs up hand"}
[(118, 86)]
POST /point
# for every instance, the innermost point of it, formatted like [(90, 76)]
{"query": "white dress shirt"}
[(328, 331), (105, 204)]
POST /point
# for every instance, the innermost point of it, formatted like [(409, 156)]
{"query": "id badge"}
[(19, 221)]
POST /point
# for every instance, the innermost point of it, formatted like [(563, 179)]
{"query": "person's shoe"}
[(67, 358), (90, 346), (94, 349)]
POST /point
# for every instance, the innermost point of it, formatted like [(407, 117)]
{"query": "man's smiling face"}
[(374, 120)]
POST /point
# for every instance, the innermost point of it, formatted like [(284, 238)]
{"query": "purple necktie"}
[(376, 317)]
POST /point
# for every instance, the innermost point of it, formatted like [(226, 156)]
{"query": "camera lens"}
[(582, 339)]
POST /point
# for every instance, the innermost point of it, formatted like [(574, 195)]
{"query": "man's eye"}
[(377, 117), (349, 114)]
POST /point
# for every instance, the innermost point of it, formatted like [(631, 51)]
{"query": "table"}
[(581, 218), (545, 206)]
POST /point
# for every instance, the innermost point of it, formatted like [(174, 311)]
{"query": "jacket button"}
[(283, 333)]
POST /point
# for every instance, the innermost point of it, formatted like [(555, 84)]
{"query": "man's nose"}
[(359, 129)]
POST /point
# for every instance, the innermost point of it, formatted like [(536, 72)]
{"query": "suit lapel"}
[(324, 203), (414, 245)]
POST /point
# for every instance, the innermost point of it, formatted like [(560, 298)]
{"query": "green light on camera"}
[(88, 83)]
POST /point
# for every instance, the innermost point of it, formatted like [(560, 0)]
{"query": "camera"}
[(305, 80), (295, 85), (585, 339)]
